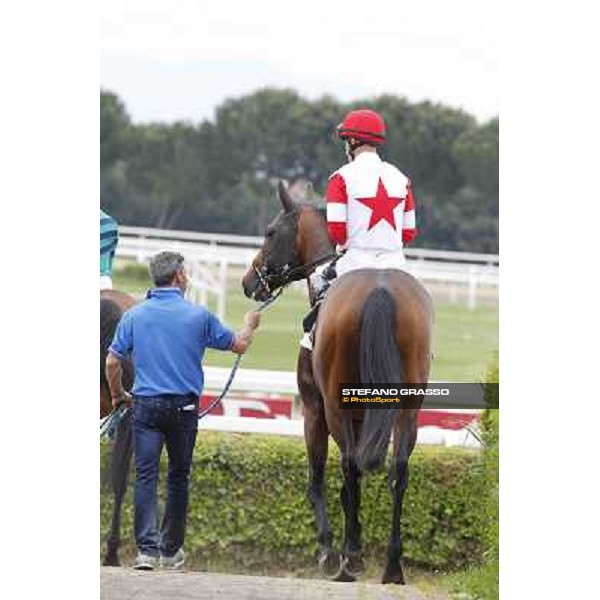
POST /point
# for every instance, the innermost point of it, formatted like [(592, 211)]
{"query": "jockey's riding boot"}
[(309, 321), (311, 318), (321, 284)]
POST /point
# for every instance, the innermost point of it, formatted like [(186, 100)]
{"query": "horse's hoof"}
[(111, 559), (344, 576), (353, 565), (329, 564), (393, 574)]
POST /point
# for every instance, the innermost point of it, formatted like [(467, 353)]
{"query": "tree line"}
[(218, 175)]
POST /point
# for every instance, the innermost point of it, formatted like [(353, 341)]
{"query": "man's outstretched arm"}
[(243, 338)]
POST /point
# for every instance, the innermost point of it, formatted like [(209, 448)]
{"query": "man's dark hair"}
[(163, 267)]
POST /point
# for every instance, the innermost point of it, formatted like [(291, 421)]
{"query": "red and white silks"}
[(371, 213)]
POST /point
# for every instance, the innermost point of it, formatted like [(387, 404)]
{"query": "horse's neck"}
[(314, 240)]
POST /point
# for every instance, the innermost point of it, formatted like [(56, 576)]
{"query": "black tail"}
[(380, 362), (110, 315)]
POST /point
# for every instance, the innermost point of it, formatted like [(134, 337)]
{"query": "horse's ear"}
[(284, 196)]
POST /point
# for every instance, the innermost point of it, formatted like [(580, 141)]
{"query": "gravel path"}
[(127, 584)]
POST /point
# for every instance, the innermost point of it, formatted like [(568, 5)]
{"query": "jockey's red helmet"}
[(364, 124)]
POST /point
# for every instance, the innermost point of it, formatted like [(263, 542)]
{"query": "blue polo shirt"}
[(166, 336)]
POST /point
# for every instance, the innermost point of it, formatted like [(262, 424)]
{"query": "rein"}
[(290, 274), (308, 268)]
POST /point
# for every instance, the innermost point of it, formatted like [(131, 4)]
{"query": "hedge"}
[(491, 438), (249, 511), (482, 582)]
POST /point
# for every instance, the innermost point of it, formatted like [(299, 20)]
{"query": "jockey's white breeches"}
[(356, 258)]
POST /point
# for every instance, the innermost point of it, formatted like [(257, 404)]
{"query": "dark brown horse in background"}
[(375, 326), (112, 306)]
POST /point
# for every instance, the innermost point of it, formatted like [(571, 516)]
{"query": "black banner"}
[(414, 395)]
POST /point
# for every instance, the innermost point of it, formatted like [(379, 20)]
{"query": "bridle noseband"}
[(263, 278)]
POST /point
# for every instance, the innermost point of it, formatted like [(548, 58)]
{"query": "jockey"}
[(370, 208), (109, 237)]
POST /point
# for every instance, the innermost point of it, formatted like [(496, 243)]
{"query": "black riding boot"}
[(321, 285), (311, 317)]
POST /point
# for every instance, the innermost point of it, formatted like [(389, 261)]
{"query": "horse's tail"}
[(380, 362)]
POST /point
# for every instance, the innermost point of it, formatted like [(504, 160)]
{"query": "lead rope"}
[(110, 423), (238, 359)]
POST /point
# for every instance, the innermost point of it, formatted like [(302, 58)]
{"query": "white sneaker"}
[(145, 562), (173, 562)]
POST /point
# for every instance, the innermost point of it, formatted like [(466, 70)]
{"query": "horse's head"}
[(280, 252)]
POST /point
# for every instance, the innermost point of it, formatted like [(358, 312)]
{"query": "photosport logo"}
[(419, 395)]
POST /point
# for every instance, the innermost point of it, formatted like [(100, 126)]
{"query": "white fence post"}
[(472, 294), (222, 295)]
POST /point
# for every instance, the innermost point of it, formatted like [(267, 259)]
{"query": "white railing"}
[(249, 241), (211, 254), (252, 380), (259, 384), (275, 382)]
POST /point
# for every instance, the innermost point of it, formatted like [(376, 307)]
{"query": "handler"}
[(167, 336)]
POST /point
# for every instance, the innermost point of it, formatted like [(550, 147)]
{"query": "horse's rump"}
[(341, 317), (112, 306), (374, 327), (110, 315)]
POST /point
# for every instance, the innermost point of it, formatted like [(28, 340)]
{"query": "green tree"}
[(218, 175), (114, 129)]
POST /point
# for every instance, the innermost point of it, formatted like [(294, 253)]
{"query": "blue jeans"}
[(172, 421)]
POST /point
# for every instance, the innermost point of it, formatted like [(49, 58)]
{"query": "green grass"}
[(474, 583), (465, 341)]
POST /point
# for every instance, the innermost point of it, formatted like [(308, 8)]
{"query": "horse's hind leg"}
[(119, 471), (352, 561), (405, 436), (316, 437)]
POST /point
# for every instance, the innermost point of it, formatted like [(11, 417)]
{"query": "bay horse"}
[(374, 326), (113, 304)]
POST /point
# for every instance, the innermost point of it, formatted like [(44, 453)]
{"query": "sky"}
[(178, 60)]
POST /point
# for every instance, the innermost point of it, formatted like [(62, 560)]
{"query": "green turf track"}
[(465, 340)]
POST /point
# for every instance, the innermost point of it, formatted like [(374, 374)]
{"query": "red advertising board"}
[(274, 406)]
